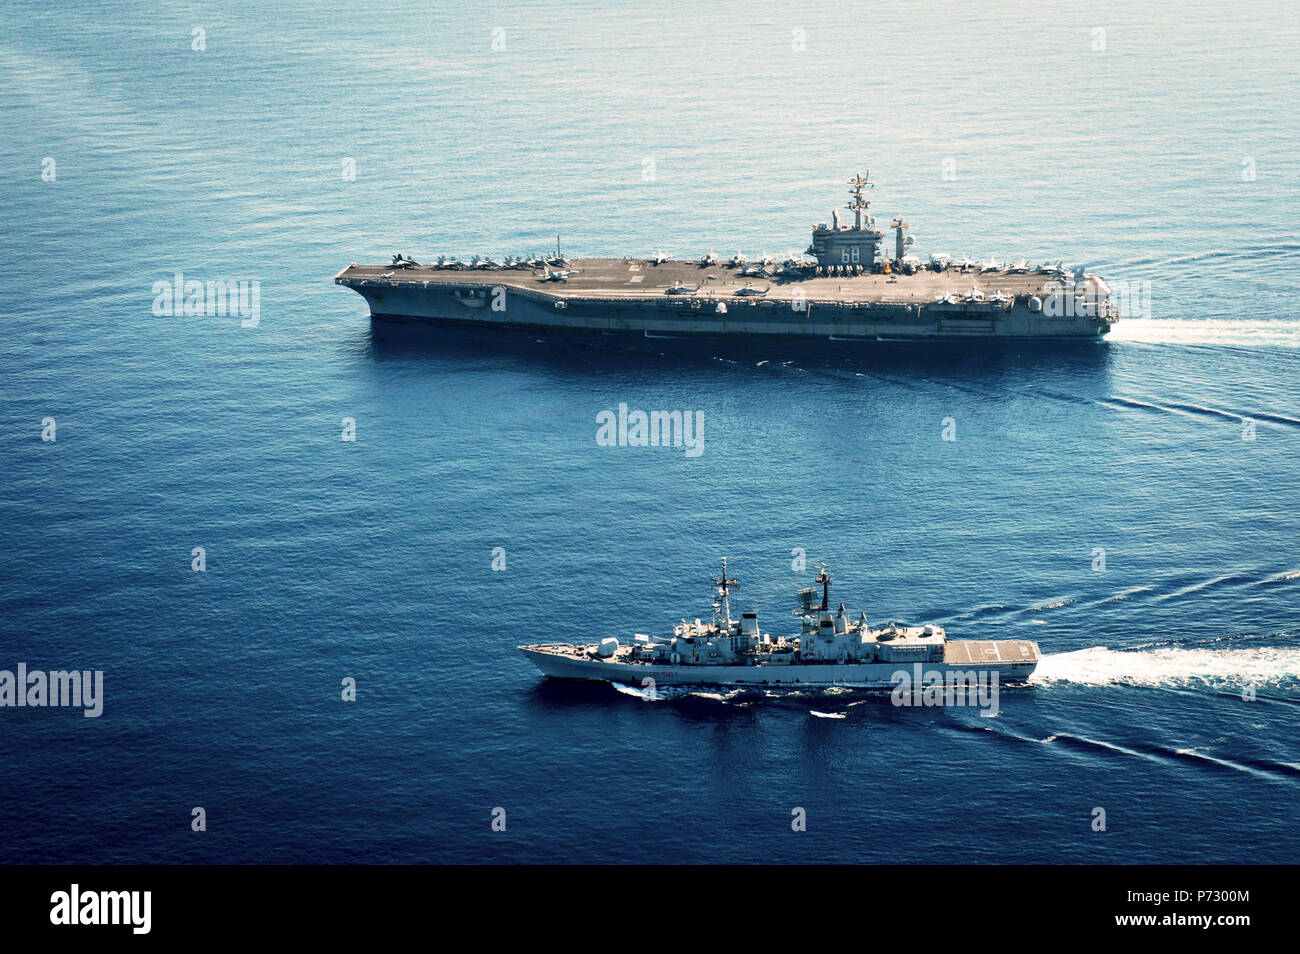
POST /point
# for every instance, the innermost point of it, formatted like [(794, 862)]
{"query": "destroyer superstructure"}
[(832, 649), (847, 286)]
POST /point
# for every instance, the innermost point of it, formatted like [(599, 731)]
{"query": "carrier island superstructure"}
[(831, 649), (847, 286)]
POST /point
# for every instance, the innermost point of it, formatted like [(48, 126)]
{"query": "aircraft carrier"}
[(847, 286)]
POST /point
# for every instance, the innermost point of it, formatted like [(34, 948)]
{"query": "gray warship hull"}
[(849, 290), (1013, 661), (631, 297)]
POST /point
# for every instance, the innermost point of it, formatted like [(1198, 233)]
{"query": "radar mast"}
[(860, 202), (824, 579), (724, 587)]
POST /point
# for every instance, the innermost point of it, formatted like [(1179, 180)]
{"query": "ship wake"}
[(672, 693), (1253, 332), (1171, 667)]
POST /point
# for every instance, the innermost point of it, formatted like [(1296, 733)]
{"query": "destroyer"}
[(851, 288), (831, 650)]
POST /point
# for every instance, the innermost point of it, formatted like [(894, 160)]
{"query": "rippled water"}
[(372, 559)]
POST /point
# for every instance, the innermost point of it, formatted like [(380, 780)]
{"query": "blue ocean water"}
[(1168, 156)]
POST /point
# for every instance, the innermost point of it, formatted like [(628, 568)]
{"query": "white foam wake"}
[(645, 695), (1170, 667), (1209, 331), (666, 693)]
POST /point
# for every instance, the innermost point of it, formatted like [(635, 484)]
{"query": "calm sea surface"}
[(1169, 157)]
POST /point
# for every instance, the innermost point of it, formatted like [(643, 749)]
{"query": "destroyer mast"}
[(722, 607), (824, 578)]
